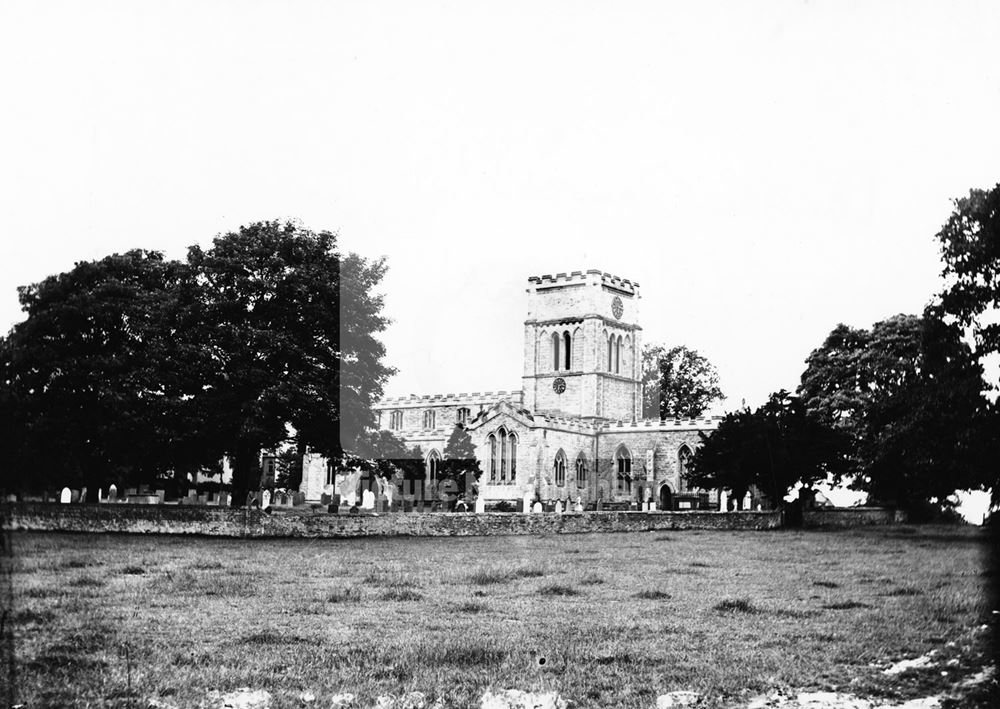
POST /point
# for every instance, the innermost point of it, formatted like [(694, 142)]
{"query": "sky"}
[(764, 170)]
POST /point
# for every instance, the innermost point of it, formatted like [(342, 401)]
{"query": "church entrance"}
[(666, 499)]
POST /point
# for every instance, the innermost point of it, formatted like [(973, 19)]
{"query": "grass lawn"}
[(605, 620)]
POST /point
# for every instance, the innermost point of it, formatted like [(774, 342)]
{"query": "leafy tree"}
[(287, 328), (92, 387), (677, 382), (772, 448), (460, 466), (970, 249), (909, 394)]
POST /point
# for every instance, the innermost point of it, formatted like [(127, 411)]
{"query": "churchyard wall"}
[(851, 516), (226, 522)]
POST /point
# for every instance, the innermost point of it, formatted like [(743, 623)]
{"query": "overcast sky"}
[(764, 170)]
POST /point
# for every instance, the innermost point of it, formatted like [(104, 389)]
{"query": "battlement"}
[(700, 424), (575, 424), (427, 400), (592, 275)]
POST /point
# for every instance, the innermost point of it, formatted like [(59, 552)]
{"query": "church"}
[(574, 430)]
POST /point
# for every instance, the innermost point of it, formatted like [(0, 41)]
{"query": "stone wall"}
[(851, 516), (214, 521)]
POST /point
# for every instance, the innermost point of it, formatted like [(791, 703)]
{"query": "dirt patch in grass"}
[(736, 605), (271, 637), (86, 582), (591, 579), (845, 605), (400, 594), (558, 589), (653, 595), (134, 570), (345, 595), (826, 584), (471, 607), (489, 577)]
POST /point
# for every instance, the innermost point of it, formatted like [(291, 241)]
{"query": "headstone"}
[(579, 505), (83, 496), (74, 496), (559, 508), (526, 503), (66, 496), (162, 494), (113, 493), (223, 499), (265, 500), (537, 509), (100, 494), (746, 501), (368, 500), (723, 501), (480, 505)]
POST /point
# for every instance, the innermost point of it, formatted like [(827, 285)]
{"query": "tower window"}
[(567, 354), (555, 351), (503, 455), (429, 418), (611, 357), (683, 461), (618, 353)]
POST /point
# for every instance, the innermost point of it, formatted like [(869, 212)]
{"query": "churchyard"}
[(604, 620)]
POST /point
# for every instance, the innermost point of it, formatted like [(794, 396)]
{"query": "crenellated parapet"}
[(593, 276), (462, 399), (700, 424)]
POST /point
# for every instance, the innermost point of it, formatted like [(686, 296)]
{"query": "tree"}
[(677, 382), (970, 249), (909, 395), (92, 388), (460, 467), (772, 448), (288, 331)]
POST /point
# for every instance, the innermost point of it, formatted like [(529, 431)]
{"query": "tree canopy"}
[(132, 366), (460, 467), (970, 249), (771, 448), (909, 395), (677, 382)]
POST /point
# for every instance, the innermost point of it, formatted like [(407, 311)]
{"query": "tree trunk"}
[(246, 472)]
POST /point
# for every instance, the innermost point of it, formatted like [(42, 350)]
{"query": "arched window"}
[(462, 416), (433, 460), (559, 469), (555, 351), (618, 354), (502, 435), (567, 351), (626, 358), (581, 471), (396, 420), (683, 463), (331, 473), (623, 464), (611, 358), (512, 442), (494, 463)]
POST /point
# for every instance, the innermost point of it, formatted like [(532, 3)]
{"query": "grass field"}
[(605, 620)]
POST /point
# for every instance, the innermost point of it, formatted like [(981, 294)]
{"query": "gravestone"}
[(162, 495), (74, 496), (480, 505), (746, 502), (559, 508), (66, 496), (223, 499), (113, 493), (83, 496), (368, 500), (537, 508), (265, 500), (526, 503), (579, 505), (723, 501)]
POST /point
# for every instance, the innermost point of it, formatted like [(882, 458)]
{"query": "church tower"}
[(582, 346)]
